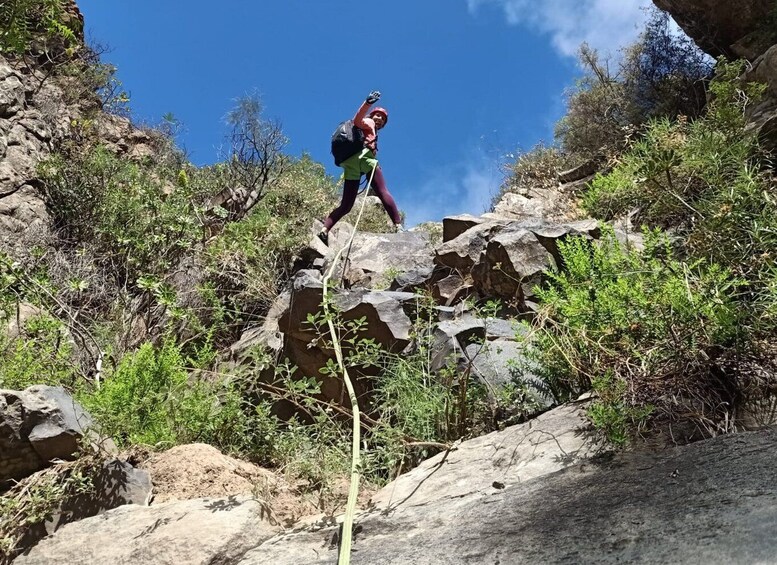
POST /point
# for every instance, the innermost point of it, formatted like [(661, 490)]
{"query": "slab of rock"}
[(114, 483), (201, 531), (462, 252), (454, 226), (376, 259), (712, 502)]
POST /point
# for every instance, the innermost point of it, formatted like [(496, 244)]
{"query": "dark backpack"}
[(347, 141)]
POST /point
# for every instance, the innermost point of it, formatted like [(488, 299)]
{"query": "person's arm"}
[(367, 125)]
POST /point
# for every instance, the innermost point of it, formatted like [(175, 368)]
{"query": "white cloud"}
[(604, 24), (465, 188)]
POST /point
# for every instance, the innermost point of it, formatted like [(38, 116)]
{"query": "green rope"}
[(346, 537)]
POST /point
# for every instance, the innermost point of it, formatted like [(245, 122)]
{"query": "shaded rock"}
[(454, 226), (762, 118), (451, 289), (38, 425), (502, 363), (511, 264), (115, 483), (208, 530), (267, 335), (413, 280), (716, 25), (455, 332), (580, 172), (386, 315), (710, 502), (516, 256), (462, 252)]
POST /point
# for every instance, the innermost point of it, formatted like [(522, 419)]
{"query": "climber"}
[(354, 145)]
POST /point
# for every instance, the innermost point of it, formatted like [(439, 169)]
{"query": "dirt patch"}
[(199, 470)]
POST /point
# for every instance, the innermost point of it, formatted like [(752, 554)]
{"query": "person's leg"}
[(379, 186), (350, 190)]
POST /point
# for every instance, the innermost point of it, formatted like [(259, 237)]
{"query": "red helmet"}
[(381, 111)]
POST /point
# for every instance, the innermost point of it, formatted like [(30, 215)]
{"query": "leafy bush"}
[(41, 354), (151, 399), (249, 259), (642, 329), (24, 21), (707, 180), (143, 217)]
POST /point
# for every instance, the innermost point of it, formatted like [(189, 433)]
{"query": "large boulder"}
[(39, 425), (288, 334), (460, 253), (200, 531), (502, 364), (515, 257)]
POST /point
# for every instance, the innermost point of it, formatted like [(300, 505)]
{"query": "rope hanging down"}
[(346, 536)]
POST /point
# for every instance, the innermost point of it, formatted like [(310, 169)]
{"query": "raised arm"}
[(367, 125)]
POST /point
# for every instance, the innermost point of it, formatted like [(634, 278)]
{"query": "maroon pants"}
[(351, 189)]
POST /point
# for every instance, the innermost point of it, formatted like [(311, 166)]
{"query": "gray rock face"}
[(377, 259), (505, 259), (711, 502), (385, 312), (37, 425), (503, 363), (462, 252), (33, 118), (201, 531)]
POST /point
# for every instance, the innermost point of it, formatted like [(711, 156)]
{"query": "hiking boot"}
[(323, 235), (399, 228)]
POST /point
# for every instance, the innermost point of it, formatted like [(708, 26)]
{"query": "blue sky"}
[(466, 82)]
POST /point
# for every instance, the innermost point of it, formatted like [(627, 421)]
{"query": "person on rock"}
[(354, 146)]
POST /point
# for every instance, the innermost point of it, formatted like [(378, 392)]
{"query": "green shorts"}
[(358, 165)]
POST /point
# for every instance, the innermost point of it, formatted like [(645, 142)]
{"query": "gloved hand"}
[(373, 97)]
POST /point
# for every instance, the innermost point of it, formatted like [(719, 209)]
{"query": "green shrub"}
[(641, 328), (249, 259), (152, 399), (708, 181), (25, 21), (41, 354), (137, 214)]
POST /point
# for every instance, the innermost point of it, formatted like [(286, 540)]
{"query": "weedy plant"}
[(642, 329)]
